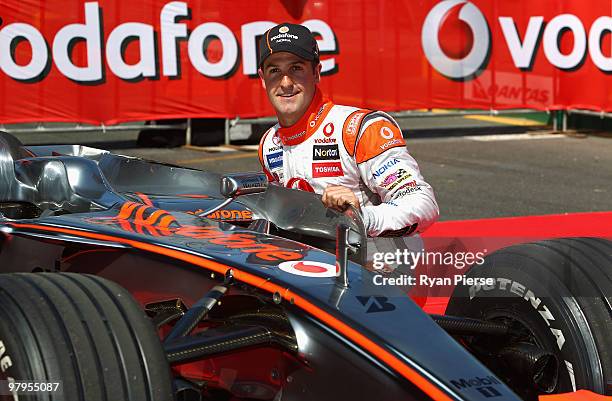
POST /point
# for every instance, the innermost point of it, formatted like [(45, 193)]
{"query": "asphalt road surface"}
[(480, 176)]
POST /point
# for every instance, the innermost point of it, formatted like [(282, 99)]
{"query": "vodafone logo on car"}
[(468, 26), (309, 269)]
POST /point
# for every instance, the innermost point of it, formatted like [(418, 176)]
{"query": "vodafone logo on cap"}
[(475, 36), (309, 269)]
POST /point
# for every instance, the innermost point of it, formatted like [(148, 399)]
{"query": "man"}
[(349, 155)]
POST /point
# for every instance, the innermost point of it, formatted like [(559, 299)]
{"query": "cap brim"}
[(289, 49)]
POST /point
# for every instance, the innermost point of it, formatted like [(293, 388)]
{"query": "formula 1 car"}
[(126, 279)]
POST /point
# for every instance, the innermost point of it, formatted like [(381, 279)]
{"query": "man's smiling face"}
[(290, 82)]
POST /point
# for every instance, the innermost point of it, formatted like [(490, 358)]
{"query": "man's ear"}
[(318, 73), (260, 73)]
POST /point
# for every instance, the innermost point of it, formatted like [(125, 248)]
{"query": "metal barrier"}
[(398, 114), (40, 128), (560, 117)]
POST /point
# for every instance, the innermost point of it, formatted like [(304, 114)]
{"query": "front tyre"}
[(82, 331), (558, 293)]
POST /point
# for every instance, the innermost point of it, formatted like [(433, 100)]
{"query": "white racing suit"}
[(362, 150)]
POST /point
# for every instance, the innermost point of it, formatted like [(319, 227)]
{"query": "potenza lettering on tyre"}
[(5, 363), (5, 359), (518, 289)]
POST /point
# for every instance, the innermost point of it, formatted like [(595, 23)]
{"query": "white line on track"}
[(510, 137)]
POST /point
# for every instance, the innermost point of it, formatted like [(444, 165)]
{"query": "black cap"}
[(292, 38)]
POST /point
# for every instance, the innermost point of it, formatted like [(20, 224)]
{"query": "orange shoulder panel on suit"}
[(351, 129), (379, 137)]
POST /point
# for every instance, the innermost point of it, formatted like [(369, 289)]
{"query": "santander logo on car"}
[(457, 42)]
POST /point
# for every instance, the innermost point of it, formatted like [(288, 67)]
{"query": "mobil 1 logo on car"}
[(488, 386)]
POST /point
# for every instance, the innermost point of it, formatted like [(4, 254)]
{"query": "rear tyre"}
[(82, 331), (560, 293)]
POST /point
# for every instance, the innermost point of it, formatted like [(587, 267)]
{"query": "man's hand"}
[(339, 198)]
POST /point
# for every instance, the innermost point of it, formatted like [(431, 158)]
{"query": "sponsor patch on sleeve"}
[(379, 137), (395, 179), (275, 160), (406, 189), (351, 129)]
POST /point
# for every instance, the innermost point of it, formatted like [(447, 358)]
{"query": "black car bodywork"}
[(140, 224)]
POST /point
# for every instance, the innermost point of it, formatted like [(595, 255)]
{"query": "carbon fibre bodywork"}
[(137, 223)]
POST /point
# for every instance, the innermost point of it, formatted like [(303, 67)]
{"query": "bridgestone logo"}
[(325, 152)]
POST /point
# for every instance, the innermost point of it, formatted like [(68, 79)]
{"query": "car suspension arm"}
[(198, 311)]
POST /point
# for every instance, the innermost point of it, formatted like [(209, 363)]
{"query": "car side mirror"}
[(237, 184), (233, 185)]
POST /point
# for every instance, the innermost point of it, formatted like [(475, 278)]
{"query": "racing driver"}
[(351, 156)]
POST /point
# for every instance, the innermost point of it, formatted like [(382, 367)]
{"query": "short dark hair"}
[(315, 64)]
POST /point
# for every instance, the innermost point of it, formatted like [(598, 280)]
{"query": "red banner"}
[(110, 61)]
